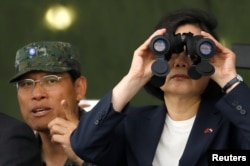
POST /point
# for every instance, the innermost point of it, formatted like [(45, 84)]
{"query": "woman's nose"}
[(181, 61)]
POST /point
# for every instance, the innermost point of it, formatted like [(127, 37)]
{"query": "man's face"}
[(41, 103)]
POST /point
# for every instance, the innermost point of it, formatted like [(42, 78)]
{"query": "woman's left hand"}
[(223, 61)]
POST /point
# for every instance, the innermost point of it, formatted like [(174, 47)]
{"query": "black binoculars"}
[(199, 49)]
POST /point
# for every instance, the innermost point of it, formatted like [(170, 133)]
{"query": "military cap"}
[(49, 56)]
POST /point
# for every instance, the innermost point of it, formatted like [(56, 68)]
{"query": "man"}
[(18, 145), (49, 86)]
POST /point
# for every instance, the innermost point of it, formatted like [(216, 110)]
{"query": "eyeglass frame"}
[(41, 81)]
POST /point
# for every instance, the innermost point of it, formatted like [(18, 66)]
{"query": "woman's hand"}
[(223, 61), (143, 59), (138, 75)]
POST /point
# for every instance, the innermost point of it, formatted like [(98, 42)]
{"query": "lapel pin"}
[(208, 130)]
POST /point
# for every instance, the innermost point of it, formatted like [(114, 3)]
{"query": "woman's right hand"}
[(138, 75), (143, 58)]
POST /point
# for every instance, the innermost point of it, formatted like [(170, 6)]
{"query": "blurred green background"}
[(106, 32)]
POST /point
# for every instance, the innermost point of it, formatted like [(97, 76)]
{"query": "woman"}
[(190, 122)]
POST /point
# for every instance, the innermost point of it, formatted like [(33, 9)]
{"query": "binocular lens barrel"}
[(206, 49), (160, 45)]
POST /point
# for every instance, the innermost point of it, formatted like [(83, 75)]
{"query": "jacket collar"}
[(203, 131), (153, 119)]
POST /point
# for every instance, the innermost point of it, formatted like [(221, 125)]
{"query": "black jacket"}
[(18, 145), (131, 137)]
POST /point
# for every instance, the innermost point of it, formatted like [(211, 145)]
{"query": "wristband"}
[(229, 84)]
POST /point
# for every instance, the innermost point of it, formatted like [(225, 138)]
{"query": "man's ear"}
[(81, 87)]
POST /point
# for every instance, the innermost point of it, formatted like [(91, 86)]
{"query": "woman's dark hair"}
[(207, 22), (203, 19)]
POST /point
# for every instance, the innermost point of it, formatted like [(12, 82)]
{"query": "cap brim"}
[(20, 74)]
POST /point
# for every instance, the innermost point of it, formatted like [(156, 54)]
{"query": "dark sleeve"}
[(18, 145), (99, 135), (236, 107)]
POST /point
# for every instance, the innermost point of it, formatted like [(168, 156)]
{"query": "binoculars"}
[(198, 48)]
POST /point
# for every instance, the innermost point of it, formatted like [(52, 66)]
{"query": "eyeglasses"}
[(48, 82)]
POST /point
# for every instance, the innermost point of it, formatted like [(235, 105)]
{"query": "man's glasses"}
[(48, 82)]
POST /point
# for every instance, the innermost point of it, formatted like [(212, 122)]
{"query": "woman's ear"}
[(81, 87)]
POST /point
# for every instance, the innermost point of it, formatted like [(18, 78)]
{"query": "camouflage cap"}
[(50, 56)]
